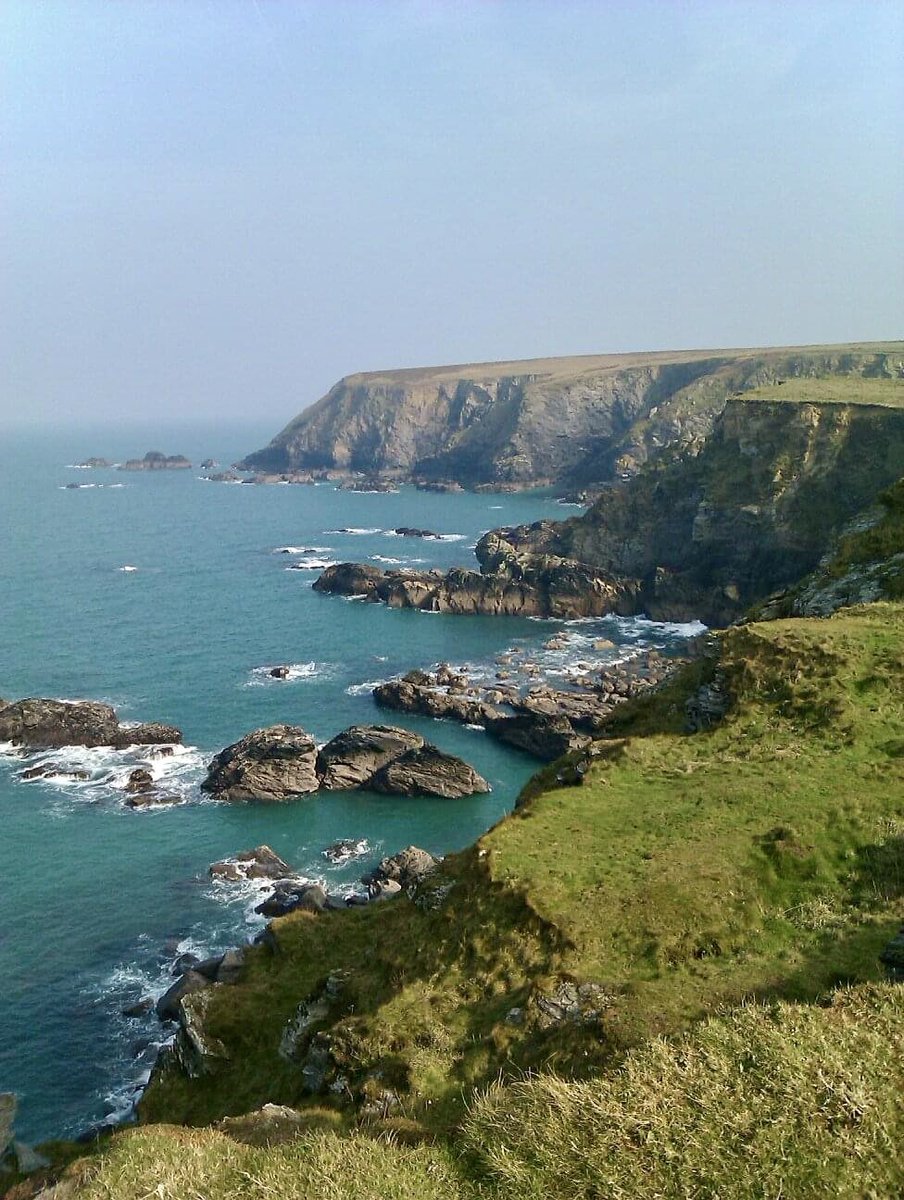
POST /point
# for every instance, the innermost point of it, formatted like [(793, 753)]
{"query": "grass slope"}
[(761, 860)]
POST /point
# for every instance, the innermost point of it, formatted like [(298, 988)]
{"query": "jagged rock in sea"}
[(289, 896), (40, 722), (282, 761), (428, 772), (155, 461), (544, 736), (259, 863), (96, 461), (354, 756), (408, 694), (267, 764)]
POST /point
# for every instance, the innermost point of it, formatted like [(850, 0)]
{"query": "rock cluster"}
[(281, 761), (155, 461), (540, 720)]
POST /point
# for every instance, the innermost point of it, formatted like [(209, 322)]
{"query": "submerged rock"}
[(269, 764)]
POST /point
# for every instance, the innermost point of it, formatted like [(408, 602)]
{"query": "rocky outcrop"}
[(282, 761), (155, 461), (354, 756), (547, 587), (576, 421), (293, 896), (268, 764), (428, 772), (409, 694), (542, 736), (40, 722)]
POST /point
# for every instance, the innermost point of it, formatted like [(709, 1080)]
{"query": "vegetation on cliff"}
[(761, 859)]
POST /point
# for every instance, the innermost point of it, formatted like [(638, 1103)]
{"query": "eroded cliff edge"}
[(569, 421)]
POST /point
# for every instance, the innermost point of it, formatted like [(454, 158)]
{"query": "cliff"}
[(707, 533), (572, 421)]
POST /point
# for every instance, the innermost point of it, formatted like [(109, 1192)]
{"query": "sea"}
[(171, 597)]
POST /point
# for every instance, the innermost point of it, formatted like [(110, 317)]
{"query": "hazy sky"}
[(222, 206)]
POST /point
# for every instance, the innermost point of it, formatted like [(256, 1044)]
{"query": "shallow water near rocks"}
[(171, 597)]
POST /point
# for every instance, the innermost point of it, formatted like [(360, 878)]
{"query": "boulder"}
[(428, 772), (231, 965), (140, 1008), (354, 756), (42, 722), (350, 579), (289, 897), (383, 889), (344, 849), (167, 1007), (545, 737), (279, 672), (259, 863), (197, 1052), (269, 764), (406, 868)]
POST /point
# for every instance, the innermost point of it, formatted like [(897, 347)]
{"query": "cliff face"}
[(572, 421), (709, 533)]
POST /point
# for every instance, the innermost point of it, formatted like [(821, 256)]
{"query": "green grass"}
[(777, 1101), (758, 864), (837, 389)]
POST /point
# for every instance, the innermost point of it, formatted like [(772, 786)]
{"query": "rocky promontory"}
[(282, 761)]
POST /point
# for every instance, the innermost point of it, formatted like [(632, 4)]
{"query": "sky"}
[(214, 209)]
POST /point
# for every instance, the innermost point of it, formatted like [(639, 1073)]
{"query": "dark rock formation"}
[(409, 531), (167, 1007), (96, 461), (547, 588), (259, 863), (155, 461), (544, 737), (40, 722), (428, 772), (354, 756), (268, 764), (148, 734), (289, 896), (278, 672), (409, 695)]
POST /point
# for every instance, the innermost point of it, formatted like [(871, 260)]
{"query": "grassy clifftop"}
[(570, 420), (759, 862)]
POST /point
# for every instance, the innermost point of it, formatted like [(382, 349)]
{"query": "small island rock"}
[(269, 764)]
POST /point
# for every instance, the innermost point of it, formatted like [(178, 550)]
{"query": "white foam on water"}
[(313, 564), (353, 849), (493, 506), (364, 689), (261, 677), (397, 562), (78, 467), (302, 550), (353, 532), (127, 567), (356, 596)]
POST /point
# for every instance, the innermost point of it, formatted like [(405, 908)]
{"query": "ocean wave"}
[(302, 550), (127, 567), (346, 850), (365, 689), (312, 564), (397, 562), (352, 531), (97, 774), (261, 676)]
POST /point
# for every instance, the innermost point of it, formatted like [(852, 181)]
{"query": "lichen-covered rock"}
[(354, 756), (269, 764), (428, 772)]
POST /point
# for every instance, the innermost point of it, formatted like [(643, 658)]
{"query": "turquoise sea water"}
[(97, 900)]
